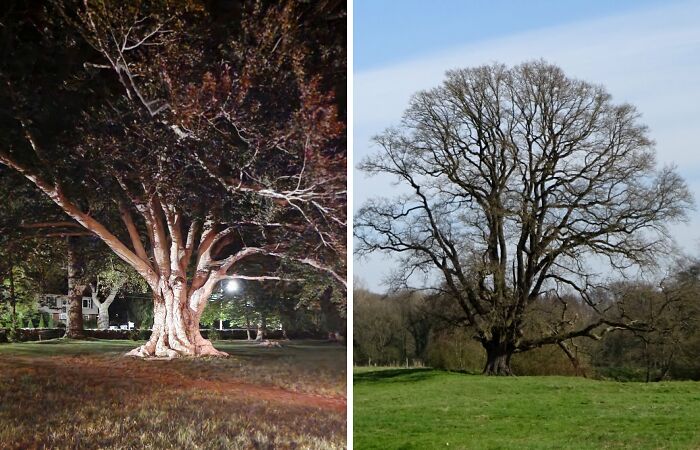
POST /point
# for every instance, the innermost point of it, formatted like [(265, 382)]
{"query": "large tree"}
[(519, 182), (38, 241), (210, 142)]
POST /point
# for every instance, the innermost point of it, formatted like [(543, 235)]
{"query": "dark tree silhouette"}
[(516, 179)]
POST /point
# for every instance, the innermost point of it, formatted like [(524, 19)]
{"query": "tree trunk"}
[(103, 306), (14, 329), (247, 327), (74, 327), (498, 355), (260, 334), (262, 329), (175, 326), (103, 316)]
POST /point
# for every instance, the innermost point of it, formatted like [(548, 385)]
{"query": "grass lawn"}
[(426, 409), (85, 394)]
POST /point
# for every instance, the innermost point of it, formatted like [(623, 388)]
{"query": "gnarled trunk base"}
[(497, 359), (158, 346), (175, 333)]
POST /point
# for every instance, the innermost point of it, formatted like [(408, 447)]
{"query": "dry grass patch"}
[(70, 396)]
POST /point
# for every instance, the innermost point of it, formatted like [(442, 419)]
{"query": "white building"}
[(57, 306)]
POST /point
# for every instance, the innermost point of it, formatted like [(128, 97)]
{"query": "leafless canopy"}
[(516, 177)]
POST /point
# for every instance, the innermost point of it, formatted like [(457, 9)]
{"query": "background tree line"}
[(414, 328)]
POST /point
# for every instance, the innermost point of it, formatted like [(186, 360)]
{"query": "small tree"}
[(108, 277)]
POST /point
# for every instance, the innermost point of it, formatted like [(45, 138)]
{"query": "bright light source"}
[(232, 286)]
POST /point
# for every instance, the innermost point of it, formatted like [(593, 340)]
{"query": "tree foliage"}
[(196, 151)]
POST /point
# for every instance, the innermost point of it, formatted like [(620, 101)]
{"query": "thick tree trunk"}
[(498, 355), (74, 327), (175, 327)]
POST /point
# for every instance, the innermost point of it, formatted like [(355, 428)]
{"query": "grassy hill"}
[(425, 408)]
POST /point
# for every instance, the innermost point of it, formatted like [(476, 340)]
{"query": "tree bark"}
[(175, 326), (498, 356), (74, 327), (103, 306), (247, 326), (13, 300), (103, 317), (260, 334)]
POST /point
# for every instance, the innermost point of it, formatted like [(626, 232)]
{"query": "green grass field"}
[(85, 394), (426, 409)]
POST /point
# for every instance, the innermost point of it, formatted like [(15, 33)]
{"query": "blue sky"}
[(645, 52), (387, 31)]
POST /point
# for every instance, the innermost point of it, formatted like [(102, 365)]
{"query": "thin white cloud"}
[(650, 58)]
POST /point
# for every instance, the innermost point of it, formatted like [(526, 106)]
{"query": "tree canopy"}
[(195, 150), (516, 179)]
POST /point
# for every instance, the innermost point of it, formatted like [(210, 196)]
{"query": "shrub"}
[(34, 334), (548, 360), (13, 334), (214, 335), (135, 334), (455, 350)]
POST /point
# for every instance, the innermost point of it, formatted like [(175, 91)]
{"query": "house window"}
[(87, 303)]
